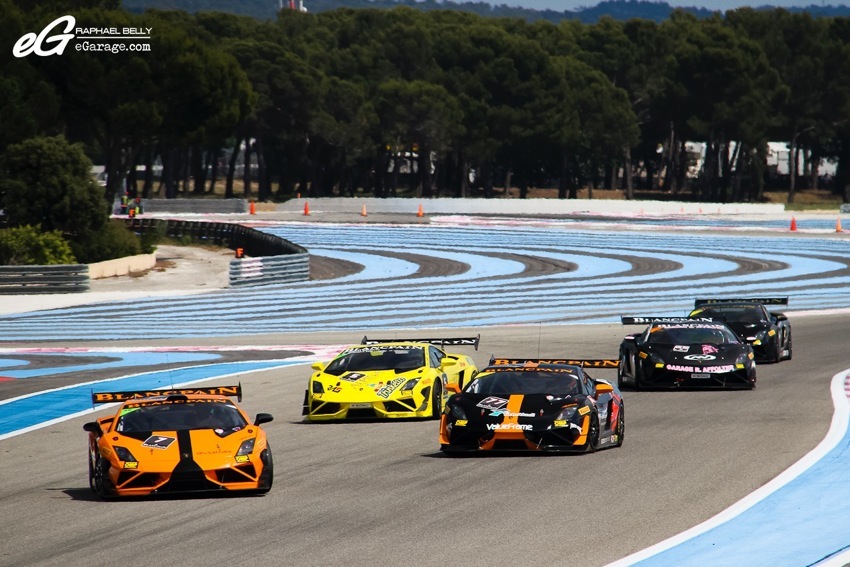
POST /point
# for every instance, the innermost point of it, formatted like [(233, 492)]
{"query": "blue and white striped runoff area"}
[(422, 276)]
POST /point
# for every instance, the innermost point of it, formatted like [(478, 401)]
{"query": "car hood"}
[(371, 385), (699, 355), (497, 408), (208, 447)]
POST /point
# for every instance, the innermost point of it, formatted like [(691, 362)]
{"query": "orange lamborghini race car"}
[(169, 441)]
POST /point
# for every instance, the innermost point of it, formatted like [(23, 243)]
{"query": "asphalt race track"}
[(376, 494)]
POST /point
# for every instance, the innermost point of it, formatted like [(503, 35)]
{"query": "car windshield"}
[(685, 335), (525, 382), (181, 417), (733, 313), (377, 359)]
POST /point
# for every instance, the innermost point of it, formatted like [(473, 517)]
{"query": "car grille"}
[(242, 473), (320, 408), (361, 413), (126, 480), (393, 406)]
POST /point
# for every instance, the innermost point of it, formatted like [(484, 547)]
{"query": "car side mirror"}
[(452, 387), (447, 362), (603, 388), (93, 427), (318, 366), (780, 316), (263, 418)]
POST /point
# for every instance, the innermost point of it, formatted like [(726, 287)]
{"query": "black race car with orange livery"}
[(534, 405), (679, 352), (769, 332), (175, 441)]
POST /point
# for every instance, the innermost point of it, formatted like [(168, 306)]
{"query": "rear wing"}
[(651, 320), (113, 397), (762, 300), (582, 362), (456, 341)]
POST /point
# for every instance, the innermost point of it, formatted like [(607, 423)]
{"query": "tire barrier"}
[(60, 278), (269, 270)]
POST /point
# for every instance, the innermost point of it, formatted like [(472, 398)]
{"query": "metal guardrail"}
[(268, 259), (269, 270), (204, 206), (60, 278)]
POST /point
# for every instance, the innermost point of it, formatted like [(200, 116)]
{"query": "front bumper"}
[(541, 438)]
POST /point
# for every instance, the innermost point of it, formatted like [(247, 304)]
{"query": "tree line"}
[(442, 103)]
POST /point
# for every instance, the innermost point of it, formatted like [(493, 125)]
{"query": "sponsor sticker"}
[(509, 427), (700, 357), (158, 442), (701, 369), (391, 387), (493, 403)]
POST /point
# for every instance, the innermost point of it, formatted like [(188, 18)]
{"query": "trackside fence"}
[(59, 278), (266, 258)]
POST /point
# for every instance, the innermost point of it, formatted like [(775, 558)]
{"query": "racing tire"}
[(437, 400), (621, 426), (101, 477), (777, 352), (268, 472), (621, 383), (91, 476), (788, 347), (592, 435), (636, 377)]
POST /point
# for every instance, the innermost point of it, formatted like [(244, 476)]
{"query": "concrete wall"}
[(122, 266)]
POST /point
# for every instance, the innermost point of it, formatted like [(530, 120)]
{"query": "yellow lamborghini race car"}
[(398, 378), (186, 440)]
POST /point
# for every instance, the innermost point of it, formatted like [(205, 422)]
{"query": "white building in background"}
[(778, 159)]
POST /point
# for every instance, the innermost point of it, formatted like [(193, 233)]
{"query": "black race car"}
[(675, 352), (534, 405), (768, 332)]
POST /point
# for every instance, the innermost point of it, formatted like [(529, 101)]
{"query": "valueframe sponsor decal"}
[(509, 427)]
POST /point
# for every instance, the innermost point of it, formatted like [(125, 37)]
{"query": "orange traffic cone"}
[(306, 209), (793, 224), (363, 212), (420, 212), (838, 225), (252, 209)]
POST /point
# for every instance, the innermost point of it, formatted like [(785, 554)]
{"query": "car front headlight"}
[(124, 454), (317, 387), (456, 411), (656, 360), (246, 448), (567, 413), (410, 385)]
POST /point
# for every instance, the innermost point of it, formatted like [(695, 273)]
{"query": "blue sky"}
[(561, 5)]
